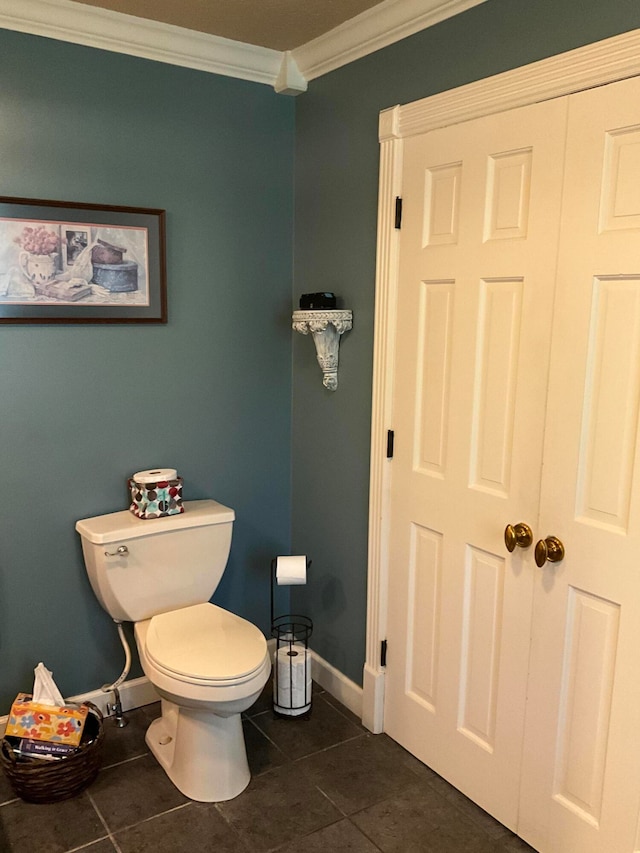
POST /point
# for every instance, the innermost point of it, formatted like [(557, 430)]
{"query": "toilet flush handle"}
[(120, 551)]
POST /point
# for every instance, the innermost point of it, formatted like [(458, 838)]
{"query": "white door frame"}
[(594, 65)]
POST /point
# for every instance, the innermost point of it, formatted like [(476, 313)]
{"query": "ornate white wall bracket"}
[(326, 326)]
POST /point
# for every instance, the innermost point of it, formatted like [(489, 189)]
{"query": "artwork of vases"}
[(39, 269)]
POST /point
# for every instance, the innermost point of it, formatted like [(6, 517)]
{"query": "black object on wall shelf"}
[(317, 301)]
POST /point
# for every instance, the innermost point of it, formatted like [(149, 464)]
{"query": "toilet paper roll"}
[(155, 475), (291, 570), (292, 680)]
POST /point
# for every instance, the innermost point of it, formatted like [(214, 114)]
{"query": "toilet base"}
[(203, 754)]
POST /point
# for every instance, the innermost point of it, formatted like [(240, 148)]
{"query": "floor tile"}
[(461, 836), (344, 710), (277, 807), (51, 828), (419, 819), (299, 737), (341, 837), (152, 711), (264, 702), (130, 792), (196, 826), (6, 791), (360, 772), (492, 827), (323, 784), (481, 818), (262, 754), (128, 742), (513, 844), (103, 846)]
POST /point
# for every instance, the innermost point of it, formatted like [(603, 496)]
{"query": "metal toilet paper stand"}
[(292, 687)]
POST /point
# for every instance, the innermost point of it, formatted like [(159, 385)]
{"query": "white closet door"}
[(581, 771), (477, 269)]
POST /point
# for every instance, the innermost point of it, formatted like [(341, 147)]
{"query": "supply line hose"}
[(127, 662)]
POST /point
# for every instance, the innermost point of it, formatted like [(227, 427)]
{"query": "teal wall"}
[(82, 407), (212, 393), (335, 242)]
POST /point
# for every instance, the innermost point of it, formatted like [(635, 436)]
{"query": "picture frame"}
[(72, 262)]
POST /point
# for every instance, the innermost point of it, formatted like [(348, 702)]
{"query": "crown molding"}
[(288, 71), (78, 23), (597, 64), (384, 24), (289, 80)]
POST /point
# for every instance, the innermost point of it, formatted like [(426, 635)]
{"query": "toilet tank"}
[(141, 567)]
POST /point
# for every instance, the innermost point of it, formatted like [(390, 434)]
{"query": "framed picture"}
[(70, 262)]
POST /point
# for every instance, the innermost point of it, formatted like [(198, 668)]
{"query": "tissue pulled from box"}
[(57, 723), (45, 690)]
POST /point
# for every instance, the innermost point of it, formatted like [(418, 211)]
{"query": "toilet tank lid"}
[(116, 526)]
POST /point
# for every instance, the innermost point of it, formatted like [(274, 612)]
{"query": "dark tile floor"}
[(323, 784)]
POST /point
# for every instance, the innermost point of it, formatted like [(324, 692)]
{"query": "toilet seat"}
[(206, 645)]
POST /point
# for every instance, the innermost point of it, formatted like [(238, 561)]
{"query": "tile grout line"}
[(236, 832), (327, 797), (360, 829), (103, 822), (265, 735), (364, 833), (339, 708), (124, 761), (300, 838), (110, 834), (90, 843), (327, 748)]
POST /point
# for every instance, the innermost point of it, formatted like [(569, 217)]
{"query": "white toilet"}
[(207, 664)]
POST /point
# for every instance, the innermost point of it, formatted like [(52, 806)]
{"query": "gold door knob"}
[(550, 549), (519, 534)]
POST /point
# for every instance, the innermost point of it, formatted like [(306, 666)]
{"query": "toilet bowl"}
[(208, 665)]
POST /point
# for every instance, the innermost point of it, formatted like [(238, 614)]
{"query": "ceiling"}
[(282, 43), (277, 24)]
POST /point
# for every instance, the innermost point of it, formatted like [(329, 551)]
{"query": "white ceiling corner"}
[(287, 71)]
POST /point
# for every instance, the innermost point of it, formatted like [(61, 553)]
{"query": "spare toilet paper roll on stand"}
[(292, 664), (292, 677)]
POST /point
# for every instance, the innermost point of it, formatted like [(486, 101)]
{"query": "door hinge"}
[(390, 440), (383, 653), (398, 223)]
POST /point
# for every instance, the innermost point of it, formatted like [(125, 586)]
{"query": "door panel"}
[(581, 786), (521, 684), (477, 268), (481, 636), (494, 392)]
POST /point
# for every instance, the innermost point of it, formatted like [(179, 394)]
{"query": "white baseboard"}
[(337, 683), (133, 694), (140, 691), (373, 699)]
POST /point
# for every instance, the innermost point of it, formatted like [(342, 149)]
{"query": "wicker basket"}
[(38, 781)]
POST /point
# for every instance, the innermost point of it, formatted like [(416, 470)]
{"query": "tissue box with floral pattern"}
[(56, 723)]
